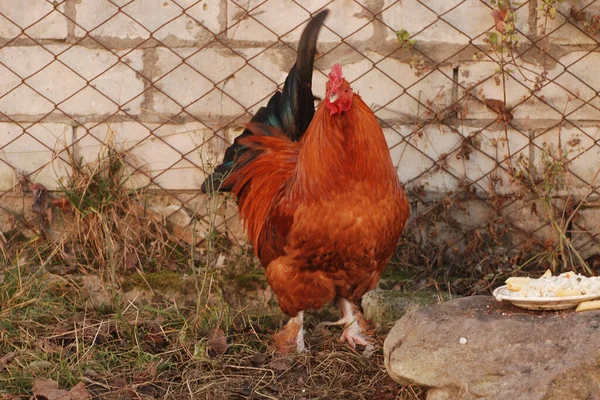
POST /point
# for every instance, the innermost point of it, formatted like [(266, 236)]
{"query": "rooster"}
[(324, 213)]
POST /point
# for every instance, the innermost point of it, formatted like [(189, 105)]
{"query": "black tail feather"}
[(290, 111)]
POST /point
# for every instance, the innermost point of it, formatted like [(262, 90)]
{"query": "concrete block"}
[(484, 81), (214, 64), (242, 25), (424, 97), (211, 14), (488, 156), (274, 63), (246, 89), (588, 221), (19, 63), (179, 81), (225, 70), (61, 82), (103, 19), (377, 89), (580, 73), (171, 22), (116, 79), (40, 17), (37, 151), (56, 82), (573, 83), (416, 155), (198, 148), (382, 84), (25, 61), (528, 216), (449, 157), (22, 103), (216, 109), (265, 23)]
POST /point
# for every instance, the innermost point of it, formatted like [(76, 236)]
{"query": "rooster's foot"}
[(355, 324), (291, 336), (353, 335)]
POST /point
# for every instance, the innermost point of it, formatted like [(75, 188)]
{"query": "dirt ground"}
[(78, 336)]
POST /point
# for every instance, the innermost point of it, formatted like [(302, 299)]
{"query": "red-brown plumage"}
[(324, 214)]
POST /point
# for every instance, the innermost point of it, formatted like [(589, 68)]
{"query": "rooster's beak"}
[(333, 97)]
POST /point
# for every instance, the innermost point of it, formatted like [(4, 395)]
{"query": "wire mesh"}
[(490, 108)]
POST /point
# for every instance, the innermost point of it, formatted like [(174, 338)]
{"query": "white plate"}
[(542, 303)]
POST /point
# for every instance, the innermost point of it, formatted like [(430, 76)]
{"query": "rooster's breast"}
[(349, 236)]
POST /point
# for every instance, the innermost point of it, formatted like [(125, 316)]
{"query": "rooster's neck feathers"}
[(340, 149)]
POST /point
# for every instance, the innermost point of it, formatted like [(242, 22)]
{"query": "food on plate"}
[(564, 285)]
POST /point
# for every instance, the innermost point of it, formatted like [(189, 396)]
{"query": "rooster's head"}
[(338, 97)]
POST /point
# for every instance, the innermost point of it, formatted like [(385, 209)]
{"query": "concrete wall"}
[(176, 79)]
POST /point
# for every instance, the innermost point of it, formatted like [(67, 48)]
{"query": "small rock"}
[(508, 353), (217, 341), (282, 364), (100, 294), (385, 306), (258, 358), (369, 351), (39, 365)]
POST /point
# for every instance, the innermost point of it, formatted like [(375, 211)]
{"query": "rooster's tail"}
[(259, 179), (289, 111)]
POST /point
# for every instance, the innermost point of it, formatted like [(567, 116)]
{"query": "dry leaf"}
[(62, 203), (156, 339), (499, 107), (578, 14), (119, 382), (217, 341), (6, 359), (282, 364), (39, 197), (499, 19), (46, 389), (131, 260), (258, 358), (49, 215), (172, 265)]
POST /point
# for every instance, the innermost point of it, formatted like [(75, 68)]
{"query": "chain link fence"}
[(490, 108)]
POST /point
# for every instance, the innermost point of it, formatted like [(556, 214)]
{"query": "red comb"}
[(335, 76)]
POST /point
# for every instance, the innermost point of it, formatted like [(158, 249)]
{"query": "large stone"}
[(477, 348)]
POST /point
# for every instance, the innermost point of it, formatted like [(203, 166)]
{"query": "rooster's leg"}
[(291, 336), (354, 322)]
